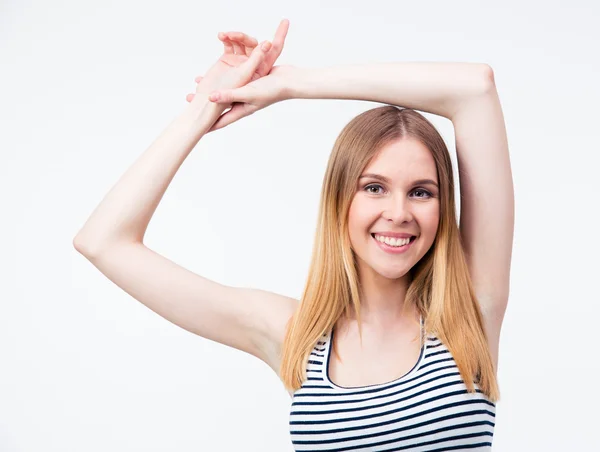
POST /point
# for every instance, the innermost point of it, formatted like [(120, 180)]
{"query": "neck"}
[(382, 301)]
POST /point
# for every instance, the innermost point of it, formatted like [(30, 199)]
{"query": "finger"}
[(221, 122), (237, 112), (237, 47), (280, 35), (278, 42), (248, 42), (198, 79), (263, 68), (250, 66), (226, 43), (242, 38), (226, 96), (243, 95), (190, 97), (250, 49)]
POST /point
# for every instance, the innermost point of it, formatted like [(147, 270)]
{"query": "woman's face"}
[(398, 203)]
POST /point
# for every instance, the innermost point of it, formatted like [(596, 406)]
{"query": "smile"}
[(394, 249)]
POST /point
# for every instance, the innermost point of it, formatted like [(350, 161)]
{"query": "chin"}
[(391, 273)]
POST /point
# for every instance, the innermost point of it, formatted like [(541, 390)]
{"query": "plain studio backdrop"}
[(86, 87)]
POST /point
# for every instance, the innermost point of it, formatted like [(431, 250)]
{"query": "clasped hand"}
[(244, 77)]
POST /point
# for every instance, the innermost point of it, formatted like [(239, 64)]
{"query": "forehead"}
[(403, 159)]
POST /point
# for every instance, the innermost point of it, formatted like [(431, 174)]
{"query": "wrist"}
[(205, 112), (294, 82)]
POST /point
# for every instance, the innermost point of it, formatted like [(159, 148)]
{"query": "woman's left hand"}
[(253, 96)]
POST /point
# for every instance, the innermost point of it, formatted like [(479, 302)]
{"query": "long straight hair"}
[(441, 289)]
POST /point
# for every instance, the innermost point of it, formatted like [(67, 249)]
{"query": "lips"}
[(394, 250), (412, 238)]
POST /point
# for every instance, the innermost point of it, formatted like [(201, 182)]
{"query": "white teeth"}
[(392, 241)]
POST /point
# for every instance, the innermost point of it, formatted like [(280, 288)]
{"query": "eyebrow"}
[(385, 179)]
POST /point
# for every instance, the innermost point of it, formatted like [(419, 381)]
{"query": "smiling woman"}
[(417, 322), (388, 261), (401, 208)]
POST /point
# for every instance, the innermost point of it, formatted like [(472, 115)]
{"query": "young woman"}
[(394, 343)]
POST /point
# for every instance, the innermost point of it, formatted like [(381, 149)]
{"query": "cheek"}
[(359, 216), (359, 222), (430, 225), (430, 215), (433, 221)]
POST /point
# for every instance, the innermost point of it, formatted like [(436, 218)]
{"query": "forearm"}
[(124, 213), (434, 87)]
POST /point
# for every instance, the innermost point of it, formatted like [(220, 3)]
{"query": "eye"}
[(371, 186), (422, 190), (426, 193)]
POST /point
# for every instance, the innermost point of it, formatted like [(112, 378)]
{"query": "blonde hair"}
[(441, 289)]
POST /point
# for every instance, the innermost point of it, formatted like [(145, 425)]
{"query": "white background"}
[(86, 87)]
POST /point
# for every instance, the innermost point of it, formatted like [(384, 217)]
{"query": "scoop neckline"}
[(376, 385)]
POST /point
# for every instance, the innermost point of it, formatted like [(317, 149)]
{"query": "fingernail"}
[(213, 96), (266, 46)]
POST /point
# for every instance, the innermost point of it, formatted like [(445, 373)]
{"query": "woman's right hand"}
[(230, 71)]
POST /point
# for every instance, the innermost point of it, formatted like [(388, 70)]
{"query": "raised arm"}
[(124, 213), (248, 319), (433, 87), (126, 210)]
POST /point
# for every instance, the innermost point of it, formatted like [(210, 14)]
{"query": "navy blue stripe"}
[(397, 410), (403, 438)]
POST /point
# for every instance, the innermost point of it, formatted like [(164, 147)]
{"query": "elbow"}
[(487, 77), (85, 246), (90, 247), (80, 245)]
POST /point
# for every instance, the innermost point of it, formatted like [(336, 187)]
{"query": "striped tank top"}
[(427, 409)]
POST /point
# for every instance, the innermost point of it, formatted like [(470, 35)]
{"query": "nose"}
[(398, 210)]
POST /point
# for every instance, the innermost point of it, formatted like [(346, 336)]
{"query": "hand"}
[(253, 96), (237, 48), (225, 75)]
